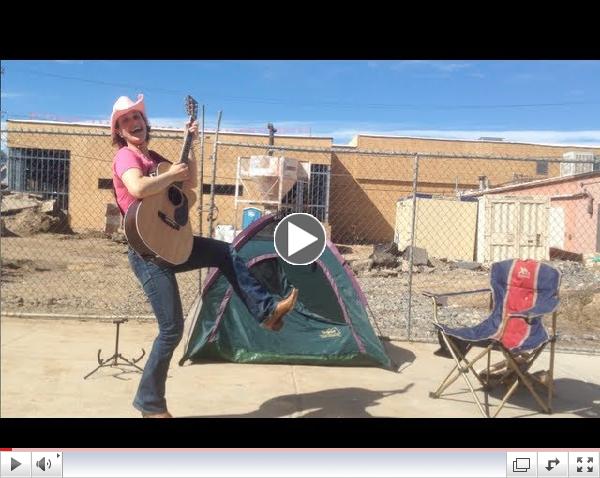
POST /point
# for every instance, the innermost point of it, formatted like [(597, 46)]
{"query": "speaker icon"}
[(43, 463)]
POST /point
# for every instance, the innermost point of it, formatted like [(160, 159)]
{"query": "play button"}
[(15, 464), (299, 239)]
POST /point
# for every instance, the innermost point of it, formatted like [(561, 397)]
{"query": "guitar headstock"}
[(191, 107)]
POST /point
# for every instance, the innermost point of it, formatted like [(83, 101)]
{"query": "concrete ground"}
[(43, 363)]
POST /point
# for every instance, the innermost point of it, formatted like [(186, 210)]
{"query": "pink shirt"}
[(126, 159)]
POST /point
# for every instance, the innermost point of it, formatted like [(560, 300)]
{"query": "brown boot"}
[(157, 415), (275, 321)]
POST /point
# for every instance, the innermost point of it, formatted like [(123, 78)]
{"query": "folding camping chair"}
[(522, 292)]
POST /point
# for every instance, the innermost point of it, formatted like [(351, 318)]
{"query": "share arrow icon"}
[(550, 466)]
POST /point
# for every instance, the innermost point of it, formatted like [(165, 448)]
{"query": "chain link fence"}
[(407, 222)]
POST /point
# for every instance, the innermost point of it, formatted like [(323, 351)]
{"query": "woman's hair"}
[(120, 142)]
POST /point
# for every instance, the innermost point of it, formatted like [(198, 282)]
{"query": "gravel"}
[(578, 318)]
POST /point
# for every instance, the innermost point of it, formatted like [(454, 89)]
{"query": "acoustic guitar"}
[(158, 226)]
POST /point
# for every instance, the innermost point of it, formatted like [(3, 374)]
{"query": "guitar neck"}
[(185, 152)]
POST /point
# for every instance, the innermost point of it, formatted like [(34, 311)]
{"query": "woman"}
[(132, 166)]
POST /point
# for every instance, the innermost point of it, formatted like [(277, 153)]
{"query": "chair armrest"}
[(435, 297), (449, 294)]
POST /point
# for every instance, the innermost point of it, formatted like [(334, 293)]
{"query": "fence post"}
[(412, 243), (201, 192), (214, 173)]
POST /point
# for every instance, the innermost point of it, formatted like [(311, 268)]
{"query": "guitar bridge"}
[(168, 221)]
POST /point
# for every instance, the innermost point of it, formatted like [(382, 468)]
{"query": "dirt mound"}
[(30, 221), (28, 214)]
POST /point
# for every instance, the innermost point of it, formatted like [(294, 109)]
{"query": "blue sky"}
[(554, 102)]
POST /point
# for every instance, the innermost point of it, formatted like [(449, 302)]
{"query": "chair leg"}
[(446, 383), (458, 370), (550, 383), (526, 381), (551, 371), (470, 364), (465, 376), (486, 388), (487, 375), (508, 394), (462, 372), (449, 380)]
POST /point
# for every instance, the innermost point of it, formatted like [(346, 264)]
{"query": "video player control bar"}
[(298, 463)]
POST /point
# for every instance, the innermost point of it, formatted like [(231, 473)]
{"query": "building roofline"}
[(538, 182), (352, 144), (477, 141)]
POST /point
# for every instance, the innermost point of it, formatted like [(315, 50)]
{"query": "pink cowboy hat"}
[(123, 106)]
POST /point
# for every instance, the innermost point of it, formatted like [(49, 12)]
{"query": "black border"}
[(502, 433), (276, 31)]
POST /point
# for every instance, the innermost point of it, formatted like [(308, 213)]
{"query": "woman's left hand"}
[(193, 128)]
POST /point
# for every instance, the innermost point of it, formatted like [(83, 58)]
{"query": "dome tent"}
[(328, 326)]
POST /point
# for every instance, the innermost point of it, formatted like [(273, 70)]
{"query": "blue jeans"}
[(160, 286)]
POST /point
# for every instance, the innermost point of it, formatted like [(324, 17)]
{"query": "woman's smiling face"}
[(132, 127)]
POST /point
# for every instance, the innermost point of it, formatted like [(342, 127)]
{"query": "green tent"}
[(328, 326)]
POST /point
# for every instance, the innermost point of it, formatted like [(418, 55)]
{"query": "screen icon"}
[(523, 463)]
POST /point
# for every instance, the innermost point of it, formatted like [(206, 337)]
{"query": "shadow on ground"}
[(571, 396), (350, 402), (401, 357)]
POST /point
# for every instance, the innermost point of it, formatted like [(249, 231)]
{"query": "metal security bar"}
[(40, 171)]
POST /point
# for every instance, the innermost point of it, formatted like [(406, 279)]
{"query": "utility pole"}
[(2, 74), (272, 132)]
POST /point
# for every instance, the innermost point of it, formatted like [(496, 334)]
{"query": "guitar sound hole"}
[(175, 196)]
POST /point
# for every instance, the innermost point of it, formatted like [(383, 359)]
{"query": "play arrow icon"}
[(298, 239), (14, 464)]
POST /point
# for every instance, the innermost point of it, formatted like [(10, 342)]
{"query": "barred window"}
[(40, 171), (311, 196), (223, 189), (541, 167), (104, 183)]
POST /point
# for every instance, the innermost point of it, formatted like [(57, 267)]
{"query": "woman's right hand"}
[(179, 171)]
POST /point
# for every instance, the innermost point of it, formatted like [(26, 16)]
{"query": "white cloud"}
[(167, 122), (453, 66), (69, 62), (3, 128), (522, 77), (291, 128), (342, 132), (8, 94), (437, 65)]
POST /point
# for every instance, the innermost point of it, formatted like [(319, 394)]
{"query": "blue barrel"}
[(250, 215)]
